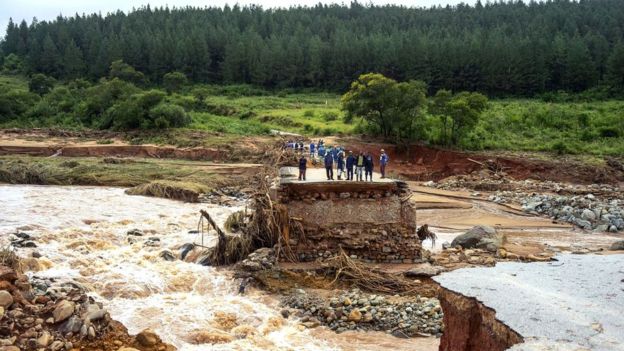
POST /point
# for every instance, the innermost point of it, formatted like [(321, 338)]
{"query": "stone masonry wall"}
[(370, 223)]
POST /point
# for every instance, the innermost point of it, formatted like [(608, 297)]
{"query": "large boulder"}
[(481, 236), (148, 338), (6, 299), (63, 310)]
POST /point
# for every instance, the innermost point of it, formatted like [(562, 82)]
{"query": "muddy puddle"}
[(81, 234)]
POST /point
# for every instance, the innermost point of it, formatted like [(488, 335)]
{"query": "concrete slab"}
[(317, 175), (573, 304)]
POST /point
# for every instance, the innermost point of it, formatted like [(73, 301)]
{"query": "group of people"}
[(347, 164)]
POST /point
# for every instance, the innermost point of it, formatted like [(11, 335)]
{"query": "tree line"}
[(500, 48)]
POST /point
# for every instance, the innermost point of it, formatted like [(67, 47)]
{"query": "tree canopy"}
[(498, 48)]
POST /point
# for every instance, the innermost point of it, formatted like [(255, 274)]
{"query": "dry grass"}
[(362, 276), (9, 258), (184, 191)]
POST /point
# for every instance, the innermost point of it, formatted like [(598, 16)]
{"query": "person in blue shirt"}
[(329, 165), (303, 163), (350, 165), (321, 151), (312, 150), (383, 161)]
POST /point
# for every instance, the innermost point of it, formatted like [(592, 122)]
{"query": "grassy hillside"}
[(595, 127)]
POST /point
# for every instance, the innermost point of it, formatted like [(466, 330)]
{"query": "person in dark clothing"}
[(340, 164), (303, 165), (329, 165), (368, 167), (350, 165), (383, 161)]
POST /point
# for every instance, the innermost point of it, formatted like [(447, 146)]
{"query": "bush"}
[(167, 115), (173, 81), (40, 84), (13, 103), (309, 113), (330, 116), (609, 132)]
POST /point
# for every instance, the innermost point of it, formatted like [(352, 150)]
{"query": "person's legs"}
[(382, 169), (331, 173), (349, 173), (327, 170), (304, 172), (300, 174)]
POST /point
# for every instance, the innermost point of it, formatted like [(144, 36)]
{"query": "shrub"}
[(124, 71), (40, 84), (167, 115), (330, 116), (173, 81), (309, 113), (13, 103), (609, 132)]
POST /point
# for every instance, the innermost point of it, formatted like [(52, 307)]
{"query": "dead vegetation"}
[(9, 258), (363, 277), (184, 191)]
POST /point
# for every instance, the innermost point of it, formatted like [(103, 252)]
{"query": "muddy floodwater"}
[(81, 234)]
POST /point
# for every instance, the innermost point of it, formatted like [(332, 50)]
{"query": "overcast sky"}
[(49, 9)]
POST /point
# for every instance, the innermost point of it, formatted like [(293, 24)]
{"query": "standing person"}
[(383, 161), (321, 151), (368, 167), (350, 165), (329, 165), (359, 166), (303, 165), (312, 150), (340, 163)]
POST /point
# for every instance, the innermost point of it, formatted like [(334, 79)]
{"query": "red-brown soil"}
[(423, 163)]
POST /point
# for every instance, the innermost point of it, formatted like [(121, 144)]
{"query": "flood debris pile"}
[(347, 216), (44, 314), (355, 310)]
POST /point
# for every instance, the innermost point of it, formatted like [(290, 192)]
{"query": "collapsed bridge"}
[(370, 221)]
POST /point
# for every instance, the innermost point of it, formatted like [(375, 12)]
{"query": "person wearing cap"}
[(350, 165), (383, 161)]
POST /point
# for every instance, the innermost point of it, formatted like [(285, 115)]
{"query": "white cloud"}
[(50, 9)]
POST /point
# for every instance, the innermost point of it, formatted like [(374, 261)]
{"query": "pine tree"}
[(73, 61)]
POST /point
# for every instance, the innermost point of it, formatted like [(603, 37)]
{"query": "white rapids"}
[(81, 233)]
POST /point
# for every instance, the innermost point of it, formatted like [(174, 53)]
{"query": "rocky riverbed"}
[(356, 310), (50, 314)]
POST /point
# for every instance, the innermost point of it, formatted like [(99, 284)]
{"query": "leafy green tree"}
[(13, 64), (40, 84), (173, 81), (373, 98), (124, 71), (394, 109), (439, 108), (465, 110)]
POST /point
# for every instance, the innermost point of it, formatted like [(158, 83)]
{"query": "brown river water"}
[(81, 233)]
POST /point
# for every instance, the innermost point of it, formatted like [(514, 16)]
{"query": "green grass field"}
[(592, 128)]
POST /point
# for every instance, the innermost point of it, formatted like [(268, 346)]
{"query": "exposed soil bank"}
[(423, 163), (470, 326)]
